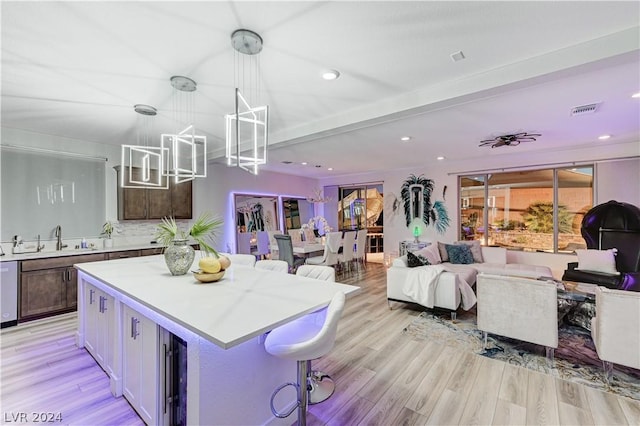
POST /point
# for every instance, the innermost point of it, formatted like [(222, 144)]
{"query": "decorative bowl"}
[(204, 277)]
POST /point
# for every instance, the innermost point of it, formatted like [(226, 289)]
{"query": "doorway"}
[(361, 207)]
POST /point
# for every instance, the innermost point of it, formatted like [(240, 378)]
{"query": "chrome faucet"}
[(38, 246), (59, 245)]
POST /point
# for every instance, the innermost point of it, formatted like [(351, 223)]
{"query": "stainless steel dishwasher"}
[(9, 293)]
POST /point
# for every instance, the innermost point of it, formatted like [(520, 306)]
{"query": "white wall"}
[(618, 181), (215, 194)]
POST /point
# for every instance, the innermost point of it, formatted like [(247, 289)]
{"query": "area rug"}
[(575, 358)]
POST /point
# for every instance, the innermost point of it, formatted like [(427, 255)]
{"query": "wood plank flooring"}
[(382, 377)]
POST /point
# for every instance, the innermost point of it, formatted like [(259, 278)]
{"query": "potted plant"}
[(178, 253), (107, 231)]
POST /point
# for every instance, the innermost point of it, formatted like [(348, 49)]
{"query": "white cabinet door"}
[(99, 323), (91, 319), (140, 364), (105, 326)]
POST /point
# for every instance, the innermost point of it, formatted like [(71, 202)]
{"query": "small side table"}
[(411, 245)]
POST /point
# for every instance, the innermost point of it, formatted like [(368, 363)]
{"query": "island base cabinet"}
[(140, 364), (99, 323)]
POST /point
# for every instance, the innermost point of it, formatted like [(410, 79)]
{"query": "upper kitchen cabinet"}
[(143, 203)]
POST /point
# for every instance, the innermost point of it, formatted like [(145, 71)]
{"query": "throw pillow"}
[(431, 253), (444, 256), (414, 260), (459, 254), (597, 261), (476, 249)]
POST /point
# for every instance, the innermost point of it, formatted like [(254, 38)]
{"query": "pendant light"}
[(186, 151), (143, 165), (247, 127)]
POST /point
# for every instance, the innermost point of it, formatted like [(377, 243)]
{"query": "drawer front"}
[(151, 251), (123, 254), (59, 262)]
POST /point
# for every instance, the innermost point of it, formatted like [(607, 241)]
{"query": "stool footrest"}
[(273, 395)]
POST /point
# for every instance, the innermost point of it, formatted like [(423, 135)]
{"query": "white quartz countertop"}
[(245, 303), (75, 252)]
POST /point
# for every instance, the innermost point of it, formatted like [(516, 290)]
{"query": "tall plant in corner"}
[(435, 213)]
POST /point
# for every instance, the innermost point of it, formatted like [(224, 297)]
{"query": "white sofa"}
[(447, 294)]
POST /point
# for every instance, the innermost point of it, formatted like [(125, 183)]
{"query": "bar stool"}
[(303, 340)]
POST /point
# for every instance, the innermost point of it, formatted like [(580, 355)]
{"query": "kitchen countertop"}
[(8, 257), (244, 304)]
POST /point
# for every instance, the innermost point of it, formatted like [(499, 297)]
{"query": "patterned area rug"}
[(575, 358)]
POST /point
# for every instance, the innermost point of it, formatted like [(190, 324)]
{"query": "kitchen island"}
[(230, 377)]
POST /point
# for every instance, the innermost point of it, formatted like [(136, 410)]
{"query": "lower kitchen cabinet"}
[(48, 286), (140, 364), (99, 333), (42, 292)]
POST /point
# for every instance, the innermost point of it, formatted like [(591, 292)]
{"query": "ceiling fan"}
[(509, 140)]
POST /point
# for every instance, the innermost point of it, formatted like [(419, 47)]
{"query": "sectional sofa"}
[(451, 278)]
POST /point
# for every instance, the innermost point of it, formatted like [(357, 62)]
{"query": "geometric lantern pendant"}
[(247, 131), (143, 165), (186, 155)]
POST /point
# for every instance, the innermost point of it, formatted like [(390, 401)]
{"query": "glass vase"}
[(179, 257)]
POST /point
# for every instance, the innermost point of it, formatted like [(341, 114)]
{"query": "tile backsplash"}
[(130, 232)]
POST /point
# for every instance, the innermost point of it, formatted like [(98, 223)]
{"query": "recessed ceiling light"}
[(604, 137), (405, 138), (636, 95), (330, 168), (304, 163), (330, 75), (440, 158)]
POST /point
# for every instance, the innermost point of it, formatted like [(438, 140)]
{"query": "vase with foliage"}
[(107, 231), (178, 254)]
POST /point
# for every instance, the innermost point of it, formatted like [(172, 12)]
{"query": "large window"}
[(538, 210)]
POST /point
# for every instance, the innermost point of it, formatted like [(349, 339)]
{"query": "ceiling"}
[(75, 69)]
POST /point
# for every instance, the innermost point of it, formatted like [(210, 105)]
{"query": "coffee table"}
[(577, 304)]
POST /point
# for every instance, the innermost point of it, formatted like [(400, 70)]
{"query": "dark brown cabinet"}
[(123, 254), (49, 286), (142, 203)]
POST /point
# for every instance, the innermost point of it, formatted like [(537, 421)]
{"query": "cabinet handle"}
[(103, 306), (68, 275), (134, 327), (91, 291), (166, 377)]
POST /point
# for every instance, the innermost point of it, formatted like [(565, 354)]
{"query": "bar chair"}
[(303, 340)]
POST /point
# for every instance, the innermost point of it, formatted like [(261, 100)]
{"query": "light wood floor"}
[(383, 377)]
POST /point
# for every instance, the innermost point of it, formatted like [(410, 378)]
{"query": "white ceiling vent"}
[(585, 109)]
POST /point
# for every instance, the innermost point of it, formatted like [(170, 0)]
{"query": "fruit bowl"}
[(205, 277)]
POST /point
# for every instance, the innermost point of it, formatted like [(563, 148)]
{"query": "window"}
[(537, 210)]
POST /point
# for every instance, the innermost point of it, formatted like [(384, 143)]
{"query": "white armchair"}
[(519, 308), (616, 328)]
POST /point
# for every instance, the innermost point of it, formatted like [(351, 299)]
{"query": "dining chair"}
[(244, 242), (263, 248), (296, 235), (273, 244), (331, 248), (361, 246), (348, 253), (285, 252)]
